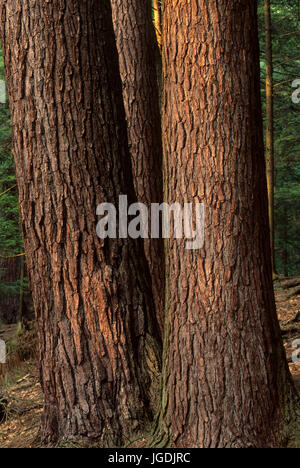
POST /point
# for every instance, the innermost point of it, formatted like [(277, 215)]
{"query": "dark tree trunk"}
[(21, 293), (285, 240), (94, 310), (136, 45), (226, 379)]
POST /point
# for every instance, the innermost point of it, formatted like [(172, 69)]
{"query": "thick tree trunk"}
[(225, 377), (270, 126), (136, 45), (98, 346)]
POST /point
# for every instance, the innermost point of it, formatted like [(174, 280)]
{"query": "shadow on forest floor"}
[(23, 399)]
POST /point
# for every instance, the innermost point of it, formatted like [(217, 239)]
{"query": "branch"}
[(3, 193)]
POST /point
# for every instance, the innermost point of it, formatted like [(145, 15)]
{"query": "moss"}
[(77, 444), (293, 430)]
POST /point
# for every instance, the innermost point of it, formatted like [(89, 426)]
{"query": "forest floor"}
[(21, 391), (288, 310), (21, 398)]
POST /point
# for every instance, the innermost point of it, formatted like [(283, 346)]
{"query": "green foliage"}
[(286, 56), (10, 236)]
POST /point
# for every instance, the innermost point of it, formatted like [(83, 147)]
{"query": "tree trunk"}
[(99, 350), (135, 37), (226, 381), (21, 294), (270, 126), (285, 239)]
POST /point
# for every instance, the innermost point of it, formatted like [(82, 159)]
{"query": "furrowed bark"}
[(226, 381), (99, 345), (136, 45)]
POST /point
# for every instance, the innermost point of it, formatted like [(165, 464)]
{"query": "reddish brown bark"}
[(136, 45), (226, 379), (95, 314)]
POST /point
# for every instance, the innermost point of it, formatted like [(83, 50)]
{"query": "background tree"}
[(157, 5), (270, 124), (136, 45), (225, 377), (99, 350)]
